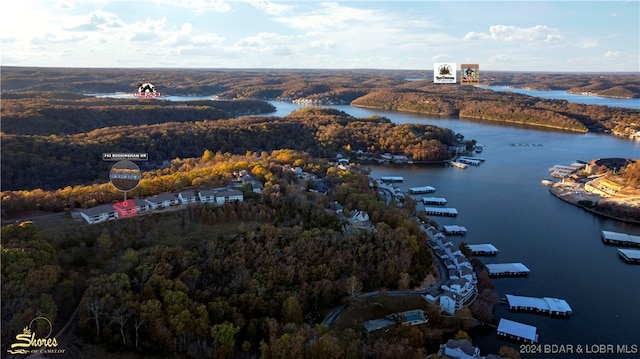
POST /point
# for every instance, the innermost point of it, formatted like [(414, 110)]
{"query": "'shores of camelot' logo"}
[(36, 338)]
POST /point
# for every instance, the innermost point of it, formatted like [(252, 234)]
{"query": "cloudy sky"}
[(499, 35)]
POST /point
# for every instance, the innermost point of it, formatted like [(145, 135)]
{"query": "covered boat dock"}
[(621, 239), (545, 305), (441, 211), (507, 269), (485, 249), (517, 331)]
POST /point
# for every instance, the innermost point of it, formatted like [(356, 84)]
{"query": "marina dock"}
[(507, 269), (630, 255), (392, 179), (621, 239), (485, 249), (455, 230), (441, 211), (421, 190), (550, 306), (469, 161), (434, 200), (517, 331)]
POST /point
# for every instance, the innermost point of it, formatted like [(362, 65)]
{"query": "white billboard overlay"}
[(444, 73)]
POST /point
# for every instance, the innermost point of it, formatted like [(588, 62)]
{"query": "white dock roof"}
[(441, 210), (520, 330), (507, 268), (423, 188), (620, 237), (632, 254), (544, 304), (454, 228), (485, 247)]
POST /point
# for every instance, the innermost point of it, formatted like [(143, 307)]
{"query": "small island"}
[(607, 186)]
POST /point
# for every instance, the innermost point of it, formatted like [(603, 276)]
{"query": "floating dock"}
[(517, 331), (454, 230), (621, 239), (434, 200), (458, 164), (630, 255), (507, 269), (421, 190), (441, 211), (483, 249), (469, 161), (392, 179), (550, 306)]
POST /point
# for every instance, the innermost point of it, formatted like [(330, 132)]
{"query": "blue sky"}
[(498, 35)]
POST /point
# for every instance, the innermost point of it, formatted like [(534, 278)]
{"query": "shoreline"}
[(566, 196)]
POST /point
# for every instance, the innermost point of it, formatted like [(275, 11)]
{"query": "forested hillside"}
[(56, 161), (244, 279)]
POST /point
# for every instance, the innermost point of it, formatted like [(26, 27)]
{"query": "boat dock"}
[(454, 230), (421, 190), (621, 239), (434, 200), (441, 211), (483, 249), (469, 161), (507, 269), (392, 179), (545, 305), (630, 255), (458, 164), (517, 331)]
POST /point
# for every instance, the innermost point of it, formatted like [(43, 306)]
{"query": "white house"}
[(459, 349), (187, 197), (228, 195), (100, 213), (207, 196), (463, 290), (163, 200)]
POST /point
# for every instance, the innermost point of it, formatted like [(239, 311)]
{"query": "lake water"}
[(503, 202), (577, 98)]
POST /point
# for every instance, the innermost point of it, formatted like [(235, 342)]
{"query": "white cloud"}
[(535, 34), (96, 21), (64, 5), (614, 55), (441, 58), (332, 16), (270, 7), (590, 44), (200, 6)]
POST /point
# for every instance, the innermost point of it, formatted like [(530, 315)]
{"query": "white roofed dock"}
[(518, 331), (545, 305), (622, 239), (507, 269), (454, 229), (422, 190), (630, 255), (485, 249), (441, 211), (434, 200)]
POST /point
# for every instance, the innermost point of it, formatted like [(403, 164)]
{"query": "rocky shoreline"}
[(625, 209)]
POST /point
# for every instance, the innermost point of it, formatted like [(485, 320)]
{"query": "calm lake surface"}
[(503, 202)]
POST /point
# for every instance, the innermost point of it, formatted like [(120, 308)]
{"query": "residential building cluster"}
[(106, 212), (460, 287)]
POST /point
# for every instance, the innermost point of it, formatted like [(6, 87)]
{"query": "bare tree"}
[(121, 316), (137, 323), (95, 307)]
